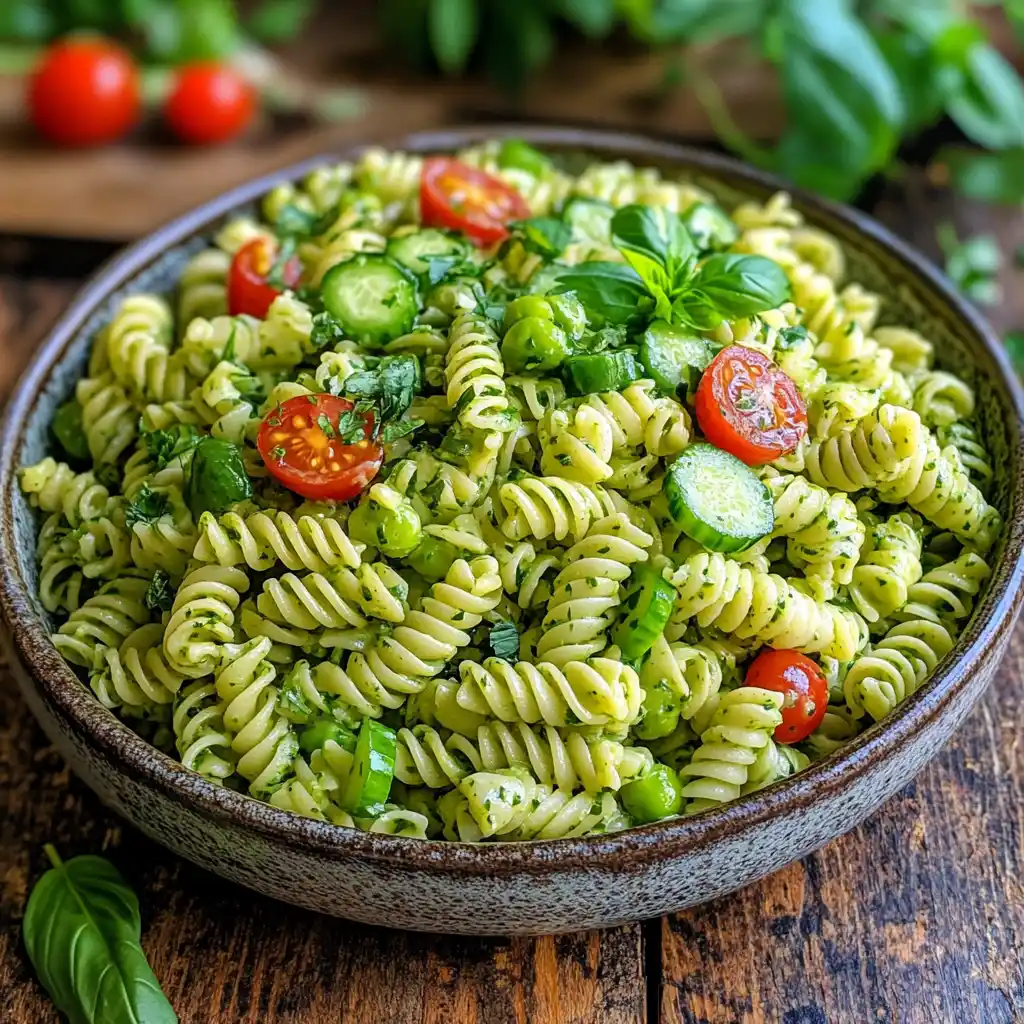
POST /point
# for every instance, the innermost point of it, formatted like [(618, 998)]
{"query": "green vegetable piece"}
[(590, 220), (710, 226), (217, 479), (674, 356), (717, 500), (545, 236), (655, 795), (372, 297), (395, 532), (661, 708), (69, 431), (419, 249), (373, 769), (527, 306), (82, 930), (314, 737), (534, 344), (432, 559), (612, 292), (603, 371), (569, 313), (520, 155), (646, 608), (504, 641), (735, 285), (165, 445)]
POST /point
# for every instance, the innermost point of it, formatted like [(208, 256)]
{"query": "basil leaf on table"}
[(612, 291), (82, 929), (738, 286), (985, 97)]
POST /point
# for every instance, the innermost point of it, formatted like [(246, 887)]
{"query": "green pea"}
[(217, 479), (315, 736), (69, 430), (527, 306), (568, 312), (392, 531), (660, 714), (655, 795), (534, 344), (522, 156), (432, 559)]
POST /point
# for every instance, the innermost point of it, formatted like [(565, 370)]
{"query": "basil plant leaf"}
[(654, 233), (546, 236), (82, 929), (612, 291), (738, 285)]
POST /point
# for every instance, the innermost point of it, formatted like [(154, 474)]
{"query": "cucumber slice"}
[(646, 607), (373, 298), (412, 250), (604, 371), (672, 357), (373, 769), (710, 226), (717, 500), (590, 220)]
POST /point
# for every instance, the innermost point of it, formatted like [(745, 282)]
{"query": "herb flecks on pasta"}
[(466, 498)]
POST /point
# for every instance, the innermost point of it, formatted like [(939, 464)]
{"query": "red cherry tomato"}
[(248, 291), (749, 407), (209, 103), (804, 688), (309, 443), (455, 195), (84, 93)]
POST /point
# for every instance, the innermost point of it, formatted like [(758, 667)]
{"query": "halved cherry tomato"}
[(804, 688), (309, 444), (455, 195), (749, 407), (84, 93), (248, 291)]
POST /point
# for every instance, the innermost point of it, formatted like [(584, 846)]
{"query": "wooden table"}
[(917, 917)]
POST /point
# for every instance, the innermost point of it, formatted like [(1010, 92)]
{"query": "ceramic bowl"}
[(529, 887)]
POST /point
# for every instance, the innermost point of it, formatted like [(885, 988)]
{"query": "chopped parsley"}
[(160, 592), (148, 506), (503, 640)]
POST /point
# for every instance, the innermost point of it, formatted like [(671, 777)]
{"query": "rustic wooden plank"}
[(918, 915)]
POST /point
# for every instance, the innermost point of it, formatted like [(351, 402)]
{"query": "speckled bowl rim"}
[(623, 851)]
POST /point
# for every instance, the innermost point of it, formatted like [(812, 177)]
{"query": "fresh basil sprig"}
[(662, 277), (82, 929)]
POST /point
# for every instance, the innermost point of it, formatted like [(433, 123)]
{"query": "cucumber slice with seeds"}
[(604, 371), (717, 500), (414, 249), (672, 356), (590, 220), (374, 298), (647, 607)]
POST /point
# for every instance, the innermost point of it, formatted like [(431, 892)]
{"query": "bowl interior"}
[(914, 295)]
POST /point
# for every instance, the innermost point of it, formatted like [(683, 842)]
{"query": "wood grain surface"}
[(917, 917)]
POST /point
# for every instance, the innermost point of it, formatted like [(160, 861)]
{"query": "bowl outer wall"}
[(504, 888)]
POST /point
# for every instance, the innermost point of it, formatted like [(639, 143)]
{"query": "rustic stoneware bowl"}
[(529, 887)]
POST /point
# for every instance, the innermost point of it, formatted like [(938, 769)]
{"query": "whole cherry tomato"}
[(455, 195), (248, 290), (209, 103), (85, 92), (749, 407), (803, 686), (320, 447)]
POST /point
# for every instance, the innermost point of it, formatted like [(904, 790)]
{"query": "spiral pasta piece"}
[(60, 578), (138, 350), (55, 487), (104, 620), (474, 375), (262, 539), (946, 593), (202, 287), (202, 741), (740, 728), (896, 667), (973, 456), (202, 619), (762, 606), (542, 507), (586, 593), (595, 692), (136, 675), (934, 483), (889, 567), (870, 454), (824, 534), (108, 417)]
